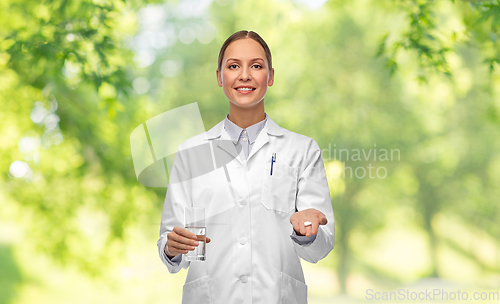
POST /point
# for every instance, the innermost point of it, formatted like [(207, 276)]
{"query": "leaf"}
[(392, 66), (491, 10), (381, 44), (496, 16)]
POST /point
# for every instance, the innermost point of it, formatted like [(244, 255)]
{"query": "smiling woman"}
[(245, 72), (267, 207)]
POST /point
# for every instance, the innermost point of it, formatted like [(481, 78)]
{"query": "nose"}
[(245, 74)]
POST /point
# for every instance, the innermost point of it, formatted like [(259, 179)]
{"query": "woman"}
[(282, 210)]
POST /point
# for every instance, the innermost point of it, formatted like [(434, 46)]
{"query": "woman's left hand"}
[(314, 216)]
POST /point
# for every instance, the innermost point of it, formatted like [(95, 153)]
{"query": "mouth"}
[(245, 89)]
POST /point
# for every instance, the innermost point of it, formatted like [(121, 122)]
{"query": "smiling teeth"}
[(244, 89)]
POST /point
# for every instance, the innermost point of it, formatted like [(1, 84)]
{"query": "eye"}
[(258, 65), (232, 65)]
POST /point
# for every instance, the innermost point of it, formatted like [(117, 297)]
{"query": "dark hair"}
[(241, 35)]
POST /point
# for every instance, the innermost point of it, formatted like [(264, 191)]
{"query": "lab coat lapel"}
[(227, 145), (261, 140), (271, 128), (221, 139)]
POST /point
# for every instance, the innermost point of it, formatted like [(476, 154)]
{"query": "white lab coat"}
[(252, 257)]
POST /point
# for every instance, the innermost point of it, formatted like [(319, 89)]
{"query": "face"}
[(245, 74)]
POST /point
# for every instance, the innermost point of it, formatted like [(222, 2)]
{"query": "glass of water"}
[(194, 222)]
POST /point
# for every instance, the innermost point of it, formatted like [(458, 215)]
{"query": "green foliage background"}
[(422, 77)]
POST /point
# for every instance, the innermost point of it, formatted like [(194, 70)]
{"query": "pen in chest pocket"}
[(273, 160)]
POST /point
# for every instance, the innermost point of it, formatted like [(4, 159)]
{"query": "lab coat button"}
[(243, 202), (243, 241), (244, 279)]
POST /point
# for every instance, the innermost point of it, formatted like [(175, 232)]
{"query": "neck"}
[(245, 117)]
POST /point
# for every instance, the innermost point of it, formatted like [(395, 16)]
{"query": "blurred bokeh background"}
[(419, 79)]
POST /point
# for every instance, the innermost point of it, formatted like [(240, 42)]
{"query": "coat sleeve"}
[(313, 192), (178, 195)]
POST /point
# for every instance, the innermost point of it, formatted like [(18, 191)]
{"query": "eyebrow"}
[(235, 59)]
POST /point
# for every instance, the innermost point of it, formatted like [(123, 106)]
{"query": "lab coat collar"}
[(270, 127), (273, 128)]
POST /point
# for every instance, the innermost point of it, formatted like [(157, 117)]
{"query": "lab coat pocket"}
[(197, 291), (292, 291), (279, 189)]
